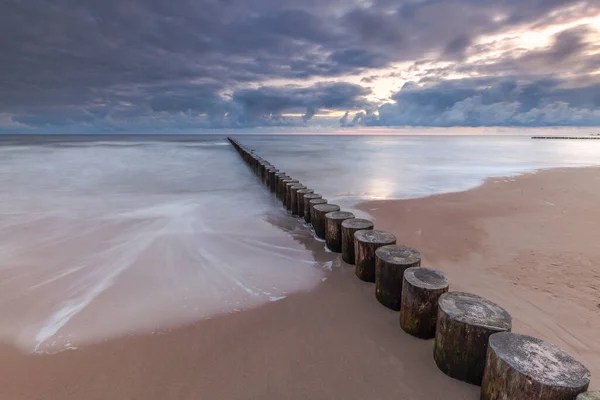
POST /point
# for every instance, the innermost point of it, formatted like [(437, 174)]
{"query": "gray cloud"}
[(491, 102), (113, 65)]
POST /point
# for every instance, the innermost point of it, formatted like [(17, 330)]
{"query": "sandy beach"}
[(528, 243)]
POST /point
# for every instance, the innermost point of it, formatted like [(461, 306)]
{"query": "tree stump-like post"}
[(308, 205), (421, 290), (278, 176), (300, 196), (350, 226), (365, 244), (282, 186), (312, 204), (270, 175), (589, 396), (524, 367), (263, 171), (257, 162), (390, 263), (293, 206), (333, 229), (318, 218), (288, 194), (464, 324), (272, 178)]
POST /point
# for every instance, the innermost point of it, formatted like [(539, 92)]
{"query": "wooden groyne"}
[(472, 338), (567, 137)]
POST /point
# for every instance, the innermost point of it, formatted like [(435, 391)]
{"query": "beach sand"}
[(528, 243)]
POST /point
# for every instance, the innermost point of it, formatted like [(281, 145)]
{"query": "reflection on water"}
[(352, 168)]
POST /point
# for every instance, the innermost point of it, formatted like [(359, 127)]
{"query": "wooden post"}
[(464, 324), (272, 179), (390, 263), (366, 242), (282, 183), (523, 367), (287, 195), (333, 229), (275, 188), (589, 396), (307, 204), (312, 204), (293, 205), (350, 226), (300, 202), (269, 176), (318, 218), (421, 290)]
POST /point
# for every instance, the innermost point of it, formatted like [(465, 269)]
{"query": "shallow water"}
[(102, 237), (348, 169)]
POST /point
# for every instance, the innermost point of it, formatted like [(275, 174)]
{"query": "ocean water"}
[(348, 169), (107, 236)]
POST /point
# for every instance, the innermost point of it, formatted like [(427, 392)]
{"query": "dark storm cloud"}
[(143, 63), (256, 105)]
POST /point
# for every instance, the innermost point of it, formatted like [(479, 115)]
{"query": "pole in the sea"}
[(365, 244), (282, 187), (318, 218), (390, 263), (288, 193), (465, 323), (275, 188), (307, 205), (300, 200), (350, 226), (293, 206), (311, 206), (523, 367), (421, 290), (333, 229)]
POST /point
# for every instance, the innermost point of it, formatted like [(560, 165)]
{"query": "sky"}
[(82, 66)]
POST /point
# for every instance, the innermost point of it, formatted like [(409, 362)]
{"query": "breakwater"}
[(472, 336)]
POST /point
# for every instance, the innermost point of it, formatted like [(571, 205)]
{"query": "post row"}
[(472, 336)]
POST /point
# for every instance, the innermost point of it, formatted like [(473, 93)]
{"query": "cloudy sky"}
[(176, 65)]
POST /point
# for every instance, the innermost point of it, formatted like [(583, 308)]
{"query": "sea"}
[(103, 236)]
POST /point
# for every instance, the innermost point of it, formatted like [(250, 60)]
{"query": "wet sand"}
[(529, 244)]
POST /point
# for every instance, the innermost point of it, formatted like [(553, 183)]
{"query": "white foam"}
[(103, 241)]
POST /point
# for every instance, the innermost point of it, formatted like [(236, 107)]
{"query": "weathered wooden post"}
[(350, 226), (421, 290), (366, 242), (287, 195), (308, 198), (278, 176), (300, 196), (333, 229), (272, 178), (312, 204), (318, 217), (390, 263), (282, 186), (293, 205), (523, 367), (589, 396), (464, 324), (270, 175)]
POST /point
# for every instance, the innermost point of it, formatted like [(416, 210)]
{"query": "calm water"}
[(105, 236), (351, 168)]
